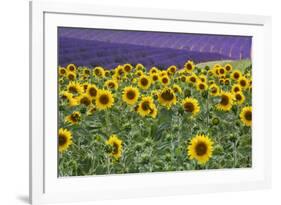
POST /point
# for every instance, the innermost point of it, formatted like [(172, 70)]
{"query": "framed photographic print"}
[(147, 102)]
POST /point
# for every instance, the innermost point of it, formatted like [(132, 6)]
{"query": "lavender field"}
[(108, 48)]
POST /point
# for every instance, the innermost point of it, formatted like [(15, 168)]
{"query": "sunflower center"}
[(87, 72), (236, 89), (189, 107), (120, 71), (155, 77), (201, 86), (173, 69), (62, 140), (188, 66), (97, 72), (62, 71), (144, 81), (201, 149), (93, 92), (238, 97), (183, 79), (104, 99), (221, 71), (145, 106), (193, 79), (236, 75), (75, 117), (214, 90), (71, 68), (224, 100), (73, 89), (111, 85), (131, 94), (227, 68), (167, 95), (71, 77), (127, 68), (165, 80), (248, 115), (86, 101), (115, 148), (243, 83)]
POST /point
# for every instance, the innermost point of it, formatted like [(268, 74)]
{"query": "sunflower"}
[(85, 86), (127, 67), (69, 98), (183, 78), (167, 97), (86, 72), (92, 91), (104, 100), (62, 71), (239, 97), (154, 77), (189, 66), (139, 66), (177, 88), (111, 84), (236, 74), (154, 111), (243, 82), (172, 69), (191, 105), (84, 99), (236, 88), (200, 148), (201, 86), (226, 81), (106, 73), (71, 68), (71, 75), (222, 71), (163, 73), (226, 101), (246, 116), (145, 107), (119, 71), (74, 88), (214, 89), (116, 145), (165, 80), (64, 139), (192, 79), (98, 72), (203, 78), (73, 118), (130, 95), (139, 73), (228, 67), (144, 82)]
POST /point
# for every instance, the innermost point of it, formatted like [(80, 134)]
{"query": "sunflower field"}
[(134, 119)]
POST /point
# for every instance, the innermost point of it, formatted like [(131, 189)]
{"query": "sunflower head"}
[(84, 99), (172, 69), (69, 98), (200, 148), (191, 105), (119, 71), (145, 107), (92, 91), (127, 67), (73, 118), (189, 66), (111, 84), (167, 97), (62, 71), (246, 116), (165, 80), (71, 75), (177, 89), (193, 79), (228, 67), (243, 82), (201, 86), (153, 70), (139, 66), (154, 77), (144, 82), (116, 146), (214, 90), (75, 88), (71, 68), (130, 95), (183, 78), (239, 98), (86, 72), (64, 139), (104, 100), (226, 101), (236, 88), (99, 72), (236, 74)]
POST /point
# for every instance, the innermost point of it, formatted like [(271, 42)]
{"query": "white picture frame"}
[(46, 187)]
